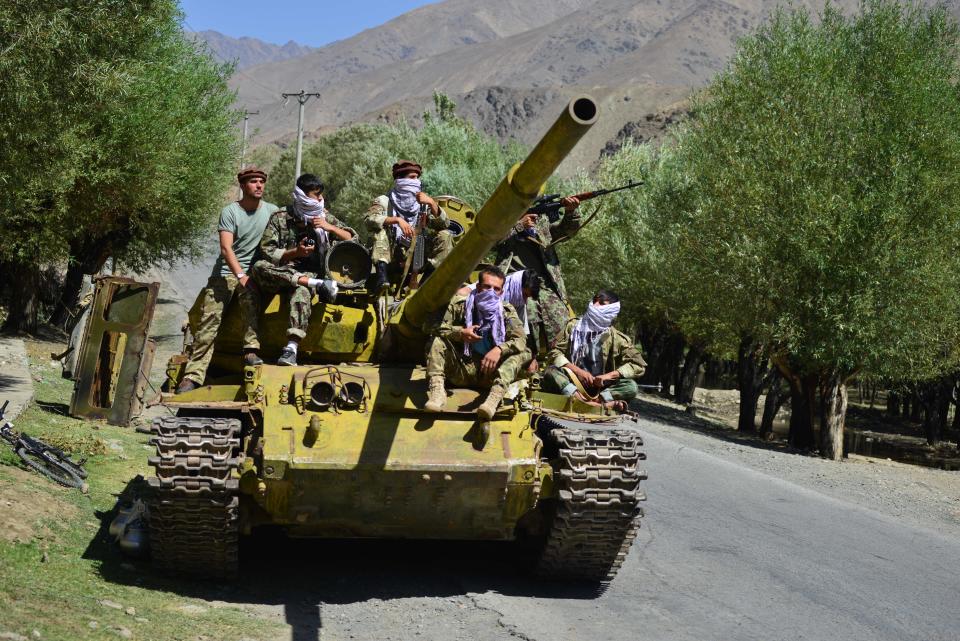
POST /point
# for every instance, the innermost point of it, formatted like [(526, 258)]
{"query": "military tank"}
[(338, 447)]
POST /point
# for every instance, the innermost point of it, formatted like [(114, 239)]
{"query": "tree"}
[(354, 162), (827, 209), (117, 137)]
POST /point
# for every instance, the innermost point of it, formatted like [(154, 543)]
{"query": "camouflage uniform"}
[(383, 244), (445, 350), (547, 313), (617, 352), (205, 316), (284, 232)]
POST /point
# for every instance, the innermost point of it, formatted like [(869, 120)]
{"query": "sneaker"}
[(287, 357), (186, 385), (251, 359), (327, 290)]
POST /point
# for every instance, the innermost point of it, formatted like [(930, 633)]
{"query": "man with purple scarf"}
[(479, 342), (391, 219)]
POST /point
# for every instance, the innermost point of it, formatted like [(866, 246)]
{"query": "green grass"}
[(53, 583)]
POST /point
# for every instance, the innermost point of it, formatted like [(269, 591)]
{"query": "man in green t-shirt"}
[(241, 227)]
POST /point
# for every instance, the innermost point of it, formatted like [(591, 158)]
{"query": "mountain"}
[(512, 64), (248, 52)]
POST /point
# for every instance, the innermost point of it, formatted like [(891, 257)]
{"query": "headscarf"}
[(594, 322), (404, 199), (513, 294), (306, 209), (485, 308)]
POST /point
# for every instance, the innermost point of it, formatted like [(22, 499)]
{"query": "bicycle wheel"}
[(50, 466)]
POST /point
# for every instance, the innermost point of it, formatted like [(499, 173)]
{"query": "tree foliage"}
[(354, 162), (117, 134)]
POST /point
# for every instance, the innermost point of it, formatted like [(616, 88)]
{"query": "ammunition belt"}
[(598, 479), (194, 513)]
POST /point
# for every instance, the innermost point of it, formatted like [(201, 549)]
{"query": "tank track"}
[(194, 518), (598, 479)]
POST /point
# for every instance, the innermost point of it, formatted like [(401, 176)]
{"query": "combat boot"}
[(381, 280), (436, 395), (486, 411)]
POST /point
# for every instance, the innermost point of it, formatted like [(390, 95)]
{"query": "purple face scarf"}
[(484, 308)]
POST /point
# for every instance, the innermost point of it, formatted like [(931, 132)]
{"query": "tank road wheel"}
[(194, 505), (598, 475)]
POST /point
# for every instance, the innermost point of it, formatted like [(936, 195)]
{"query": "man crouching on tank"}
[(295, 244), (479, 342), (594, 362)]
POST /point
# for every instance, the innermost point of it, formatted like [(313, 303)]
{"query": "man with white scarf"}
[(479, 342), (592, 361), (294, 248), (391, 219)]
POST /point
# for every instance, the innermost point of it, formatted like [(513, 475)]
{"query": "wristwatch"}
[(241, 275)]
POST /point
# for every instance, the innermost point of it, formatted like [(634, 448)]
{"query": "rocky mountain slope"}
[(512, 64), (248, 52)]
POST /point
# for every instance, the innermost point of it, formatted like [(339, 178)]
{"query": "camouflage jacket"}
[(454, 319), (381, 240), (616, 350), (284, 232), (519, 251)]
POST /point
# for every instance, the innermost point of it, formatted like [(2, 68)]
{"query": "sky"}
[(313, 23)]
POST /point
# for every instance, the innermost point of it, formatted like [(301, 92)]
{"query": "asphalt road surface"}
[(724, 553)]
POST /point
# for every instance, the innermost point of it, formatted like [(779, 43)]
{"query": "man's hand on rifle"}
[(529, 221), (570, 203), (424, 199)]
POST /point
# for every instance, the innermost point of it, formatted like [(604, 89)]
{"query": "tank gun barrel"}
[(499, 214)]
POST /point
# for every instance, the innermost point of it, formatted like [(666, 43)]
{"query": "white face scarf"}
[(307, 209), (594, 322), (513, 294)]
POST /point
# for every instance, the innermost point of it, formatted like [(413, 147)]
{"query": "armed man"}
[(592, 361), (395, 224), (478, 343), (531, 246), (295, 245), (241, 227)]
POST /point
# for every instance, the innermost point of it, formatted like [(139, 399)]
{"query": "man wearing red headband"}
[(241, 226)]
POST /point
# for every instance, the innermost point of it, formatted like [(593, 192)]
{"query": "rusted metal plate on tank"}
[(111, 369)]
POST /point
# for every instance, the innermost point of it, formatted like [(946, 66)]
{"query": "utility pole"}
[(243, 147), (302, 98)]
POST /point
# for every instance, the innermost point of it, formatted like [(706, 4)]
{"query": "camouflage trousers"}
[(556, 381), (547, 316), (205, 317), (275, 279), (441, 243), (446, 359)]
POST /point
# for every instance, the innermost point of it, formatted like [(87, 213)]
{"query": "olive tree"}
[(354, 162), (117, 137), (827, 201)]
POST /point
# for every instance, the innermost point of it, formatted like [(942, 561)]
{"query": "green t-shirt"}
[(247, 228)]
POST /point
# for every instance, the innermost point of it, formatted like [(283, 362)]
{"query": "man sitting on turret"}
[(392, 218), (478, 343), (295, 244), (592, 361)]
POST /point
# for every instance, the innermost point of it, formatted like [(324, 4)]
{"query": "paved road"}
[(725, 553)]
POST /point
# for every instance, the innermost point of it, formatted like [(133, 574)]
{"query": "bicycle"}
[(43, 458)]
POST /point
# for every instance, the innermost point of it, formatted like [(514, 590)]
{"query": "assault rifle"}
[(550, 205), (417, 254)]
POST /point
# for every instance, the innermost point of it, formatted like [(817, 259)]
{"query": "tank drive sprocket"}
[(194, 505), (598, 474)]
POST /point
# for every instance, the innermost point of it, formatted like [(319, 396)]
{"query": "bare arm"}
[(226, 250)]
